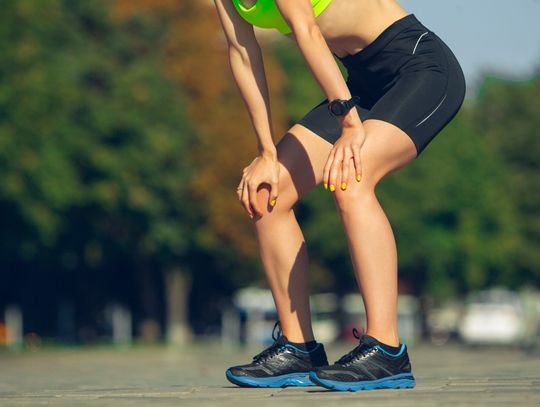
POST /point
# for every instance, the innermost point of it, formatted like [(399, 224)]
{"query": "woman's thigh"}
[(386, 149)]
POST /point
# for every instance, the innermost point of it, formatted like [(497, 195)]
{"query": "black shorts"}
[(407, 77)]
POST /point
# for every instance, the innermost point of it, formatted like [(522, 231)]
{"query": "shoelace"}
[(359, 351), (279, 341)]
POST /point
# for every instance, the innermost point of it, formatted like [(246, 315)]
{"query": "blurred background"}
[(122, 140)]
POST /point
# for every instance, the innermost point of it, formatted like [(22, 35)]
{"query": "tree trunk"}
[(178, 287)]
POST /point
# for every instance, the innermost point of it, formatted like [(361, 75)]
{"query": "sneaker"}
[(281, 364), (367, 367)]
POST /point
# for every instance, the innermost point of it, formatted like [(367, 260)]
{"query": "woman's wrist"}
[(353, 129), (351, 120), (268, 153)]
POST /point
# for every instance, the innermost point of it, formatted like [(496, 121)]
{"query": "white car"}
[(493, 316)]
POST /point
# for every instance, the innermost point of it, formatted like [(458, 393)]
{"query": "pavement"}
[(193, 375)]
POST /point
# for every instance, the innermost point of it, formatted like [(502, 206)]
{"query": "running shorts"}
[(407, 76)]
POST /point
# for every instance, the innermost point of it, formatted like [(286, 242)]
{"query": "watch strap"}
[(352, 101)]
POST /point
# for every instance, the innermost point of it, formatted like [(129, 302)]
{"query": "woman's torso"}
[(349, 25)]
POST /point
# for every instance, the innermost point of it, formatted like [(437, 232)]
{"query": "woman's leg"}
[(369, 234), (302, 155)]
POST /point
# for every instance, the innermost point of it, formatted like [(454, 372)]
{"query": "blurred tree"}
[(91, 163), (122, 139), (506, 117), (195, 57), (455, 224), (301, 89)]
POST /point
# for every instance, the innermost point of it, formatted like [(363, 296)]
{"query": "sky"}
[(499, 37)]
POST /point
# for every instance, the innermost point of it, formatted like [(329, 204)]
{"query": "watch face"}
[(337, 108)]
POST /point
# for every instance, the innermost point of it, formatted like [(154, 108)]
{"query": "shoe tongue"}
[(368, 340)]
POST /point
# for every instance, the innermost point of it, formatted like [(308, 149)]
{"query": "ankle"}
[(392, 341), (300, 339), (298, 336)]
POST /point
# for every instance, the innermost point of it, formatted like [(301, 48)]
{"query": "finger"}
[(334, 168), (357, 164), (345, 167), (239, 189), (245, 200), (252, 189), (273, 192), (326, 170)]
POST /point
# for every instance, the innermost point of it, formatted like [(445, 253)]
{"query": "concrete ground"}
[(451, 375)]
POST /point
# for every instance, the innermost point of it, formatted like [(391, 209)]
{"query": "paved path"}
[(194, 376)]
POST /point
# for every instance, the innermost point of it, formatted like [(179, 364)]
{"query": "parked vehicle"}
[(493, 316)]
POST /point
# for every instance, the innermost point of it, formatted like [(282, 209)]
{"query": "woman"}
[(403, 87)]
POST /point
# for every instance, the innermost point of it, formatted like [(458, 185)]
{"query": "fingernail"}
[(273, 202), (343, 185), (325, 185), (358, 178), (332, 187)]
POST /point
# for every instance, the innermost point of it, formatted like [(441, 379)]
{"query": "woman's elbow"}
[(244, 55)]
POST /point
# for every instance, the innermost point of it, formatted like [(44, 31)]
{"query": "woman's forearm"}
[(248, 71), (319, 58)]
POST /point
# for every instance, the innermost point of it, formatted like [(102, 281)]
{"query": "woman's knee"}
[(287, 195), (356, 194), (383, 151), (301, 156)]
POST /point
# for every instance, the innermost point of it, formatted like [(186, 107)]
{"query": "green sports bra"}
[(265, 13)]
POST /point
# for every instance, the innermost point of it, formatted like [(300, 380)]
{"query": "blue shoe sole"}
[(399, 381), (291, 379)]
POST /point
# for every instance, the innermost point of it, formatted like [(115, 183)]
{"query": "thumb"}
[(273, 193)]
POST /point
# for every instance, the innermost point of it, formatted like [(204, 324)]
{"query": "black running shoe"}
[(367, 367), (281, 364)]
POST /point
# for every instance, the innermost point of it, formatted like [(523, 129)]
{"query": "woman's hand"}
[(347, 147), (263, 169)]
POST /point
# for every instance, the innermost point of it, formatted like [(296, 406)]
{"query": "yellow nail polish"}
[(332, 187), (343, 185), (325, 185), (273, 202), (358, 178)]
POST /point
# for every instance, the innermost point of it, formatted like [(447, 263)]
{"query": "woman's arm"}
[(245, 59), (300, 17), (246, 63)]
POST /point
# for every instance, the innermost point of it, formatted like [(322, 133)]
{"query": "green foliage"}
[(326, 242), (302, 90), (453, 218), (506, 118), (96, 165), (90, 133)]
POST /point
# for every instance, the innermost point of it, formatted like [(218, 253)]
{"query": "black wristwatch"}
[(340, 107)]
